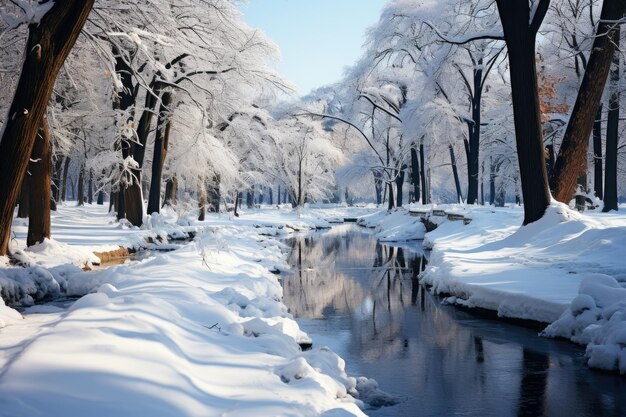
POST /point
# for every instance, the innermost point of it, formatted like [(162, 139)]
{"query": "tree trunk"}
[(161, 144), (612, 138), (415, 175), (597, 154), (250, 198), (520, 36), (24, 207), (100, 200), (214, 195), (581, 202), (90, 188), (49, 43), (455, 173), (492, 182), (237, 201), (40, 189), (56, 182), (171, 191), (423, 176), (81, 185), (572, 160), (201, 201), (473, 149), (390, 201), (399, 185), (271, 197), (378, 187), (66, 167)]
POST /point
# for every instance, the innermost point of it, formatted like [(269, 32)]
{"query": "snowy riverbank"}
[(198, 331), (568, 268)]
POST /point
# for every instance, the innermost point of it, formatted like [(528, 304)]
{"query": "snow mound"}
[(596, 318), (394, 226)]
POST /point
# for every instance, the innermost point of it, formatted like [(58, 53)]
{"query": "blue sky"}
[(317, 38)]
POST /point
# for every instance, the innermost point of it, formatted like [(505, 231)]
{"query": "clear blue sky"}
[(317, 38)]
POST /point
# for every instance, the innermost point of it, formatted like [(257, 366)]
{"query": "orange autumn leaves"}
[(547, 87)]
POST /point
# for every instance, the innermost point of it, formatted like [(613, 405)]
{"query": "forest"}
[(134, 124)]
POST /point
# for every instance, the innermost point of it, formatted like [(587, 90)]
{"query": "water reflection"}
[(363, 299)]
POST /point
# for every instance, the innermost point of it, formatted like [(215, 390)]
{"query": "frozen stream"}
[(362, 299)]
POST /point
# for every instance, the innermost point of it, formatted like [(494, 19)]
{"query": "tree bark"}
[(49, 43), (399, 185), (391, 200), (201, 201), (171, 191), (24, 207), (56, 182), (473, 150), (81, 185), (612, 137), (90, 188), (597, 154), (40, 189), (572, 160), (455, 173), (415, 174), (161, 144), (66, 166), (423, 176), (520, 33)]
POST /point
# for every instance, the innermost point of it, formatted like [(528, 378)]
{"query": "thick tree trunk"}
[(572, 160), (612, 137), (415, 175), (520, 40), (473, 150), (161, 144), (40, 189), (100, 200), (24, 207), (597, 154), (49, 43), (271, 196), (455, 174)]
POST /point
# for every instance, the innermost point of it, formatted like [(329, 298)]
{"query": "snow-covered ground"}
[(195, 332)]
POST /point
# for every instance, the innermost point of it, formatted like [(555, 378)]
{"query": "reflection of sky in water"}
[(363, 300)]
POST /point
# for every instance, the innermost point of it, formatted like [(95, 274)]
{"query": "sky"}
[(317, 38)]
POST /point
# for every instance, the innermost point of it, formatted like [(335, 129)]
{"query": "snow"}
[(193, 332), (395, 226)]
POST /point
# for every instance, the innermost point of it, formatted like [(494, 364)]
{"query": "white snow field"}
[(199, 331)]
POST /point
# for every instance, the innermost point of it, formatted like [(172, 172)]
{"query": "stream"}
[(363, 300)]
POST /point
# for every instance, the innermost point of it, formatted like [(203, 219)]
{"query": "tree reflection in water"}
[(363, 299)]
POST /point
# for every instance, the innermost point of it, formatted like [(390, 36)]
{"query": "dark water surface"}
[(363, 300)]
